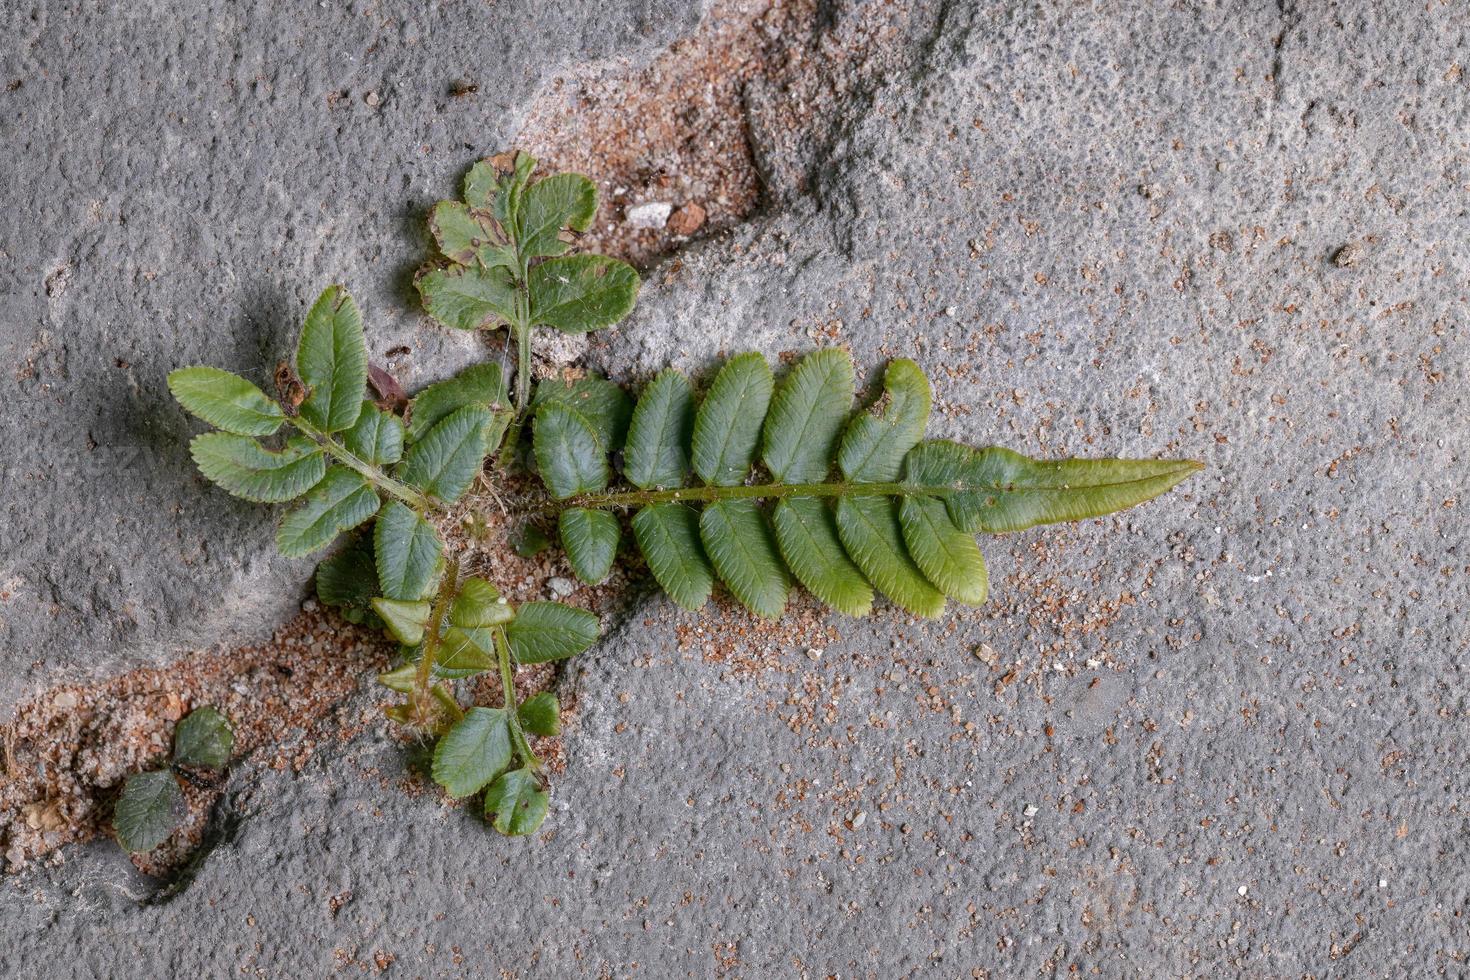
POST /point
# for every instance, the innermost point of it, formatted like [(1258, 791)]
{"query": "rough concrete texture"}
[(1222, 735), (181, 182)]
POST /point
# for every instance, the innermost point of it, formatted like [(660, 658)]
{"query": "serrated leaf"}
[(479, 604), (348, 581), (468, 297), (728, 423), (403, 618), (540, 714), (340, 502), (569, 455), (661, 428), (806, 531), (740, 547), (332, 361), (480, 185), (448, 458), (807, 414), (548, 206), (602, 404), (515, 803), (876, 441), (590, 538), (947, 556), (248, 470), (997, 490), (668, 536), (473, 752), (226, 401), (376, 437), (479, 384), (869, 529), (544, 631), (578, 293), (464, 653), (203, 739), (459, 231), (409, 553), (149, 809)]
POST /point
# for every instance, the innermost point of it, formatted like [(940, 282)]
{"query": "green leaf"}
[(376, 437), (541, 715), (602, 404), (807, 413), (349, 580), (203, 739), (468, 297), (662, 426), (340, 502), (479, 604), (473, 752), (578, 293), (479, 384), (460, 232), (871, 534), (409, 552), (876, 441), (150, 807), (226, 401), (464, 653), (332, 361), (507, 205), (562, 201), (545, 631), (740, 546), (516, 804), (402, 678), (247, 469), (448, 458), (807, 533), (590, 538), (728, 424), (404, 619), (529, 541), (947, 556), (997, 490), (569, 455), (480, 185), (668, 536)]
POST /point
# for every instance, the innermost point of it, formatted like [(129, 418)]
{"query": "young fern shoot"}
[(757, 484)]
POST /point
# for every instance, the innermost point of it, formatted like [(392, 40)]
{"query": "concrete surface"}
[(181, 181), (1223, 735)]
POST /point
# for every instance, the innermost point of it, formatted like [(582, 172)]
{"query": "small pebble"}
[(562, 586), (373, 99), (654, 214), (1030, 810)]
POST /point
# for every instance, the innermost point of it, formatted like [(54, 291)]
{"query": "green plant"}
[(858, 501), (151, 803)]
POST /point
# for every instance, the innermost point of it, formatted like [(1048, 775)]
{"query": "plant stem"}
[(368, 471), (512, 707), (774, 491), (431, 636)]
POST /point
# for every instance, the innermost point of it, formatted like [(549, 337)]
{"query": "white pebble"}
[(654, 214)]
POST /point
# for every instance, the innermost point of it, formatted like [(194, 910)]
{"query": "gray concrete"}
[(181, 180), (1223, 735)]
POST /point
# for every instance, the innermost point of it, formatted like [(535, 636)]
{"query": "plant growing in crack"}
[(151, 804), (754, 485)]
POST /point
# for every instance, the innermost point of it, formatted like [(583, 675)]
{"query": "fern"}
[(859, 501), (758, 485)]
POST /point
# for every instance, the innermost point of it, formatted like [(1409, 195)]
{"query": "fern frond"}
[(901, 516)]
